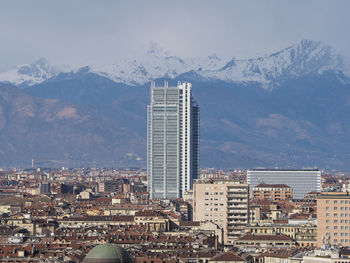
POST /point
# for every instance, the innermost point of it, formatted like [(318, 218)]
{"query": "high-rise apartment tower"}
[(225, 203), (172, 141)]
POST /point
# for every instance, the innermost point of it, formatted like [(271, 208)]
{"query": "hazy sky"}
[(82, 32)]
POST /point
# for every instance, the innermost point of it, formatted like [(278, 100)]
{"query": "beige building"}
[(333, 219), (274, 192), (304, 235), (224, 203)]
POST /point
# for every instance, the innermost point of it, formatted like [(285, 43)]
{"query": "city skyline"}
[(175, 132)]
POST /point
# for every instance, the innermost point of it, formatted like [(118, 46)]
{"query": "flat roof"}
[(292, 170), (334, 195)]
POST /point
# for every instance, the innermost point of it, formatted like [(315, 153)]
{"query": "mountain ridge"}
[(305, 57)]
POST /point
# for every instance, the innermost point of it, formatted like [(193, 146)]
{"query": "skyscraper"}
[(172, 141)]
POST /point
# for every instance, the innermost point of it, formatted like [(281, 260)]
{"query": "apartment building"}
[(224, 203), (274, 192), (333, 219)]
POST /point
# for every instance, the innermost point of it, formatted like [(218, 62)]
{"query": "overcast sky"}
[(83, 32)]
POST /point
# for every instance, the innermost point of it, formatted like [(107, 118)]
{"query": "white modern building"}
[(172, 141), (301, 181)]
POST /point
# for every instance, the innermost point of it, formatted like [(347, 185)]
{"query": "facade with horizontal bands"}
[(301, 181), (172, 141)]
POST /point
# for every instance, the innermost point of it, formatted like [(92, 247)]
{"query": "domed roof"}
[(108, 253)]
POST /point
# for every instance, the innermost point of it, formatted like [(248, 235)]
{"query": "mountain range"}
[(289, 109)]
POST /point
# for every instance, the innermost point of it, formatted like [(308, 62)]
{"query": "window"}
[(327, 202), (335, 208), (335, 202), (327, 208), (335, 221)]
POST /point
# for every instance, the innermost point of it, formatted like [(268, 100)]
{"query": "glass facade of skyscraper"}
[(172, 141)]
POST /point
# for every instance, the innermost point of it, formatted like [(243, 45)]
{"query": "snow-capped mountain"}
[(303, 58), (298, 60), (156, 63), (30, 74)]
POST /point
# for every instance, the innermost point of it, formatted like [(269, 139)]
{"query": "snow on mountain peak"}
[(156, 63), (30, 74), (304, 58)]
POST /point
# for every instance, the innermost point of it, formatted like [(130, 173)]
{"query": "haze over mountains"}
[(289, 109)]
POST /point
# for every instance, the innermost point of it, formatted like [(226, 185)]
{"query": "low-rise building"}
[(265, 241), (274, 192)]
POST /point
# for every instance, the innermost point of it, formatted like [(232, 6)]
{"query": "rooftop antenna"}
[(32, 163), (165, 84), (152, 84)]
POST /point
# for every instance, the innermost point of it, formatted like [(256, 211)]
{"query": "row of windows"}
[(214, 199), (336, 234), (336, 228), (207, 204), (214, 209), (216, 220), (336, 208), (336, 215), (341, 240), (336, 201), (336, 221)]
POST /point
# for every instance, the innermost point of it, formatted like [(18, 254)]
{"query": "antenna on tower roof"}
[(153, 84), (165, 84)]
